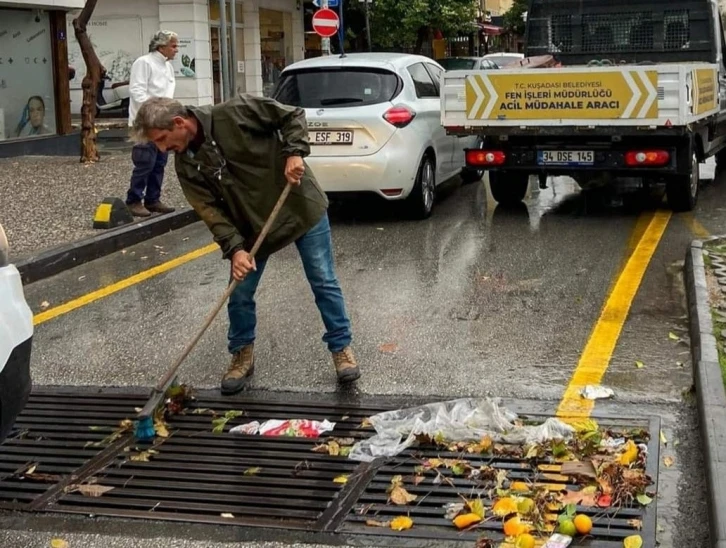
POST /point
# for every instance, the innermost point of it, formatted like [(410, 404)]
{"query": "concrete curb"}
[(53, 261), (710, 390)]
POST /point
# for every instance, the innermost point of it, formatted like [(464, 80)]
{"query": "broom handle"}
[(166, 380)]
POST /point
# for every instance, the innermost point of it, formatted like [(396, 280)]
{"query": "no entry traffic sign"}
[(326, 22)]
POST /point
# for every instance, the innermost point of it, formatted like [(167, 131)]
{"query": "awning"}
[(487, 28)]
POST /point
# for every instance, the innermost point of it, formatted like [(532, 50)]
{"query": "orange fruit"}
[(514, 527), (583, 524)]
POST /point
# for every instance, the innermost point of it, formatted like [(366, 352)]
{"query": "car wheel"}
[(682, 190), (508, 188), (470, 175), (420, 202)]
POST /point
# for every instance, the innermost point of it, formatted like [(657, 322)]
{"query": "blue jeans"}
[(316, 252), (148, 173)]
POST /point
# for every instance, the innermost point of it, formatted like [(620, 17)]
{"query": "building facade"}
[(39, 52), (33, 68), (267, 39)]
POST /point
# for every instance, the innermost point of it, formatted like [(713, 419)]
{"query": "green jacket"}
[(235, 178)]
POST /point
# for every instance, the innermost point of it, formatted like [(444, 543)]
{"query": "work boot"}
[(345, 366), (159, 207), (137, 209), (240, 370)]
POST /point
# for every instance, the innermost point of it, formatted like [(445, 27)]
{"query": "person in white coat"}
[(152, 75)]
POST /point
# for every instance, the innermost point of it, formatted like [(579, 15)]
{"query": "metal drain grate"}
[(610, 527), (197, 476)]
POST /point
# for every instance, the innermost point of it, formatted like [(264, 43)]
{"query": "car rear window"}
[(331, 87), (458, 64)]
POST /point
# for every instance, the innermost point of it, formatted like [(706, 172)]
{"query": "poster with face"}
[(26, 75)]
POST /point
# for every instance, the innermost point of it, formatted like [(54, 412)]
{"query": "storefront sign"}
[(26, 74), (117, 41), (184, 62)]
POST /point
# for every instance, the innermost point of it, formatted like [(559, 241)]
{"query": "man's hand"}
[(241, 265), (294, 169)]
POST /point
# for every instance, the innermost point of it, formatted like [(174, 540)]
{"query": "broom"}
[(144, 425)]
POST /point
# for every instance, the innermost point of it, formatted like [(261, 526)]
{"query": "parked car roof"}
[(376, 59)]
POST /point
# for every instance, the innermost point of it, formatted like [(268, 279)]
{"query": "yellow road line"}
[(596, 356), (122, 284), (694, 225)]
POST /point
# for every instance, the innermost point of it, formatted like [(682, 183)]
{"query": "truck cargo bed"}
[(663, 95)]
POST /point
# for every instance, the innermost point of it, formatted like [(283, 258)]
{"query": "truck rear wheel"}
[(682, 190), (508, 188)]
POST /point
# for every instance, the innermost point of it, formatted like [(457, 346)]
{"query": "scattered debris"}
[(227, 515), (58, 543), (639, 364), (341, 479), (591, 392), (388, 348), (44, 305), (668, 461), (296, 428), (252, 471)]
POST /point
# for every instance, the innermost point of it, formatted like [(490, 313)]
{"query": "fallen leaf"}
[(453, 509), (58, 543), (639, 364), (143, 456), (48, 478), (161, 429), (579, 497), (341, 479), (466, 520), (636, 524), (333, 449), (630, 454), (672, 336), (388, 348), (633, 542), (252, 471), (585, 425), (663, 439), (476, 507), (400, 496), (668, 461), (505, 506), (90, 490), (401, 523), (227, 515), (418, 479), (366, 423), (374, 523)]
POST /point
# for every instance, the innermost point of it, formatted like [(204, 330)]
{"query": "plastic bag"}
[(464, 420), (297, 428)]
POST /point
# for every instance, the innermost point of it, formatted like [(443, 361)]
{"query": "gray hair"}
[(156, 113), (161, 39)]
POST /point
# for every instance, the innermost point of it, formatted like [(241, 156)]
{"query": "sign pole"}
[(368, 25), (341, 30), (325, 42)]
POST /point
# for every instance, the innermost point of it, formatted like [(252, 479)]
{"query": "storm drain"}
[(70, 455)]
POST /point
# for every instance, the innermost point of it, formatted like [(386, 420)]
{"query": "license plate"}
[(566, 157), (331, 137)]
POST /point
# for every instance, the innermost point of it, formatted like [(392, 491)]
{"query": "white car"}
[(16, 335), (374, 124), (503, 59)]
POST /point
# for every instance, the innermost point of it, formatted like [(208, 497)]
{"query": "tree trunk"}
[(423, 35), (94, 72)]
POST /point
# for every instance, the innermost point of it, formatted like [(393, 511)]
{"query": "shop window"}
[(275, 46), (27, 101)]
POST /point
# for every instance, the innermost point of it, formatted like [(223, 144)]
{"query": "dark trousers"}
[(148, 174)]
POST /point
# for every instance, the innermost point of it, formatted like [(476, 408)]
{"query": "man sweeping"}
[(233, 161)]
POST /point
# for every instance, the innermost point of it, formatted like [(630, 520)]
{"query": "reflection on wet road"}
[(477, 300)]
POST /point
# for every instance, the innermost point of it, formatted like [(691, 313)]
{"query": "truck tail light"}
[(647, 157), (399, 116), (477, 157)]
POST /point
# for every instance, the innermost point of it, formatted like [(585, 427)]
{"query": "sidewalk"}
[(48, 201)]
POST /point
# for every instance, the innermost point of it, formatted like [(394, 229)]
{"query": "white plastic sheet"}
[(466, 420)]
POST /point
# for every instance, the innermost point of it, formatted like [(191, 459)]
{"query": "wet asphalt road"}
[(477, 300)]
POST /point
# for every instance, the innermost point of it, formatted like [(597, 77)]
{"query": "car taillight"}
[(477, 157), (647, 157), (399, 116)]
